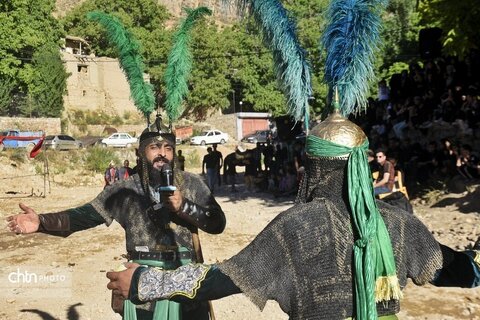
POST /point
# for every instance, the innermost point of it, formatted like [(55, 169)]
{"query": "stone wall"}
[(49, 125)]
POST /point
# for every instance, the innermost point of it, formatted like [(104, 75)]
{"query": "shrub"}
[(97, 158), (192, 160), (18, 155)]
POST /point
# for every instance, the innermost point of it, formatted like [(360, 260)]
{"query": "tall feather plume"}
[(130, 60), (179, 63), (291, 67), (351, 40)]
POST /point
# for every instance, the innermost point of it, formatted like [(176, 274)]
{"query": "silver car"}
[(61, 142)]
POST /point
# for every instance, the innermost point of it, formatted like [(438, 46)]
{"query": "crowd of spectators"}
[(427, 119)]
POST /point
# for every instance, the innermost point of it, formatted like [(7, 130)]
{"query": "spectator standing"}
[(125, 171), (111, 174), (210, 164), (250, 171), (219, 162), (181, 160)]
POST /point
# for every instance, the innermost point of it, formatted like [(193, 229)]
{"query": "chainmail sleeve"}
[(199, 206)]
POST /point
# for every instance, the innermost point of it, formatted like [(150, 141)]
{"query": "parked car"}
[(11, 139), (119, 139), (61, 142), (257, 136), (209, 137)]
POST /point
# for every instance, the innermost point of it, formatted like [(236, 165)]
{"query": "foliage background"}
[(231, 65)]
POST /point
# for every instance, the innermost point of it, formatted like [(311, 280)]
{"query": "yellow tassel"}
[(387, 288)]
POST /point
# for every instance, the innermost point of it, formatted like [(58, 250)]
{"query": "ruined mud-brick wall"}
[(48, 125)]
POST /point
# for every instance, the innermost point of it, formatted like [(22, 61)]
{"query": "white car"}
[(119, 139), (209, 137)]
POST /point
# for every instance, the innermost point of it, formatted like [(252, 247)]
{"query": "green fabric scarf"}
[(374, 270)]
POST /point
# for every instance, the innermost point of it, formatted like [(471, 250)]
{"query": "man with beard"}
[(158, 225)]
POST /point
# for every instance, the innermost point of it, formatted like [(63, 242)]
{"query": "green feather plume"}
[(130, 60), (292, 69), (351, 40), (179, 64)]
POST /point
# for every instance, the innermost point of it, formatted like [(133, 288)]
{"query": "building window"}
[(82, 68), (84, 93)]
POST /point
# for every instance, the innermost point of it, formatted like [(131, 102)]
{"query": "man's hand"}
[(120, 281), (172, 200), (26, 221)]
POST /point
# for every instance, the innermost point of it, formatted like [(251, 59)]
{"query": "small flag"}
[(37, 148)]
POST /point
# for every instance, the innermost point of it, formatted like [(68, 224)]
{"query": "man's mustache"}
[(160, 158)]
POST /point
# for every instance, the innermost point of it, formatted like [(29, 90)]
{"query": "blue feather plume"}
[(291, 67), (351, 40)]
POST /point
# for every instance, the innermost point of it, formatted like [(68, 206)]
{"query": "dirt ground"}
[(71, 281)]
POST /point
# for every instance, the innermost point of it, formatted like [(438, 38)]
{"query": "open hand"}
[(26, 221)]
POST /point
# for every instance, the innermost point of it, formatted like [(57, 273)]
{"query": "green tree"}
[(457, 19), (48, 84), (144, 18), (25, 27), (7, 86), (310, 17), (400, 32)]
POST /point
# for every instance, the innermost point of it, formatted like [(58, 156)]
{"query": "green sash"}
[(164, 309)]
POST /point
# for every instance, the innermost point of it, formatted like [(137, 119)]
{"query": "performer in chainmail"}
[(337, 253), (157, 224), (306, 258)]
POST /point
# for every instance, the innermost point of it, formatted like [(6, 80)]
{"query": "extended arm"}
[(66, 222), (61, 223), (189, 282)]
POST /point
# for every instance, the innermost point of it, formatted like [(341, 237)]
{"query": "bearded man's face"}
[(157, 154)]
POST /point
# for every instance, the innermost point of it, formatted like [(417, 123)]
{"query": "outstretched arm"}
[(61, 223), (189, 282)]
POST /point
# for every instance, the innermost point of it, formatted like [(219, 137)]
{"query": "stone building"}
[(95, 83)]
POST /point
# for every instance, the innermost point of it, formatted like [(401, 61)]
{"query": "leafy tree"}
[(7, 86), (26, 26), (457, 19), (48, 84), (400, 32), (209, 86), (141, 17)]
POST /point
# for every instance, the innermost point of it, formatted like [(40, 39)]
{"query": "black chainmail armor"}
[(303, 258)]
